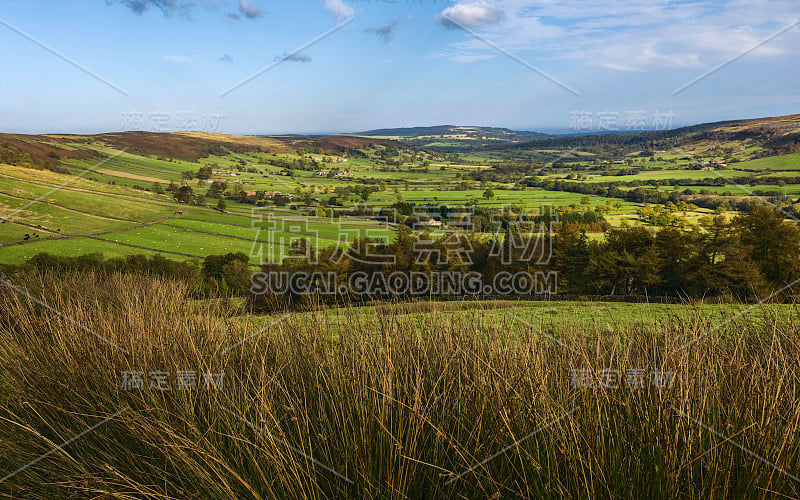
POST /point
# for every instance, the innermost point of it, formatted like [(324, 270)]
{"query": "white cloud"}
[(636, 35), (339, 9), (620, 67), (471, 14), (468, 58)]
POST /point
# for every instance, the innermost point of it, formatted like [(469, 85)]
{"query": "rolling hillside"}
[(117, 193), (451, 137)]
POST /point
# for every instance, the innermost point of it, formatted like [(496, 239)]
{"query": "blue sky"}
[(396, 63)]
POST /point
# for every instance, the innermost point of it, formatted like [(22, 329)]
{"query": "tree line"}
[(744, 259), (750, 257)]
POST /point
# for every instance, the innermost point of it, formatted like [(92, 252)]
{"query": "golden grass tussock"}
[(346, 403)]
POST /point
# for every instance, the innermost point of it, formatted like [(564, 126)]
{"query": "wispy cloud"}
[(247, 9), (385, 33), (339, 9), (167, 7), (177, 59), (637, 35), (468, 58)]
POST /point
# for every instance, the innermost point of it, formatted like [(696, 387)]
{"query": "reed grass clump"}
[(403, 402)]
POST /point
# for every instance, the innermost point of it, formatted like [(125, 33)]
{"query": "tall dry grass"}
[(335, 404)]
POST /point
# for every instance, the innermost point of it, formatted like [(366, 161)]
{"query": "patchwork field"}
[(117, 193), (63, 215)]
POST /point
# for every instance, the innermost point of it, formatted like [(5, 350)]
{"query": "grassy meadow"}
[(394, 401)]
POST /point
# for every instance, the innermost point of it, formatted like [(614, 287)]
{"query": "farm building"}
[(430, 223)]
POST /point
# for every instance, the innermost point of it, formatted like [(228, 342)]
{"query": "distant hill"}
[(453, 137), (767, 137), (38, 151), (775, 135), (333, 143), (47, 151)]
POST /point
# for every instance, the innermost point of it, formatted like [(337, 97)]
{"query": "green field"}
[(549, 316), (73, 247), (116, 199), (59, 206), (774, 163)]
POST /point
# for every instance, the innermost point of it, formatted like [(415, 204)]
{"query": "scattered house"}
[(178, 212), (250, 194), (341, 174), (278, 194), (431, 223), (225, 172)]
